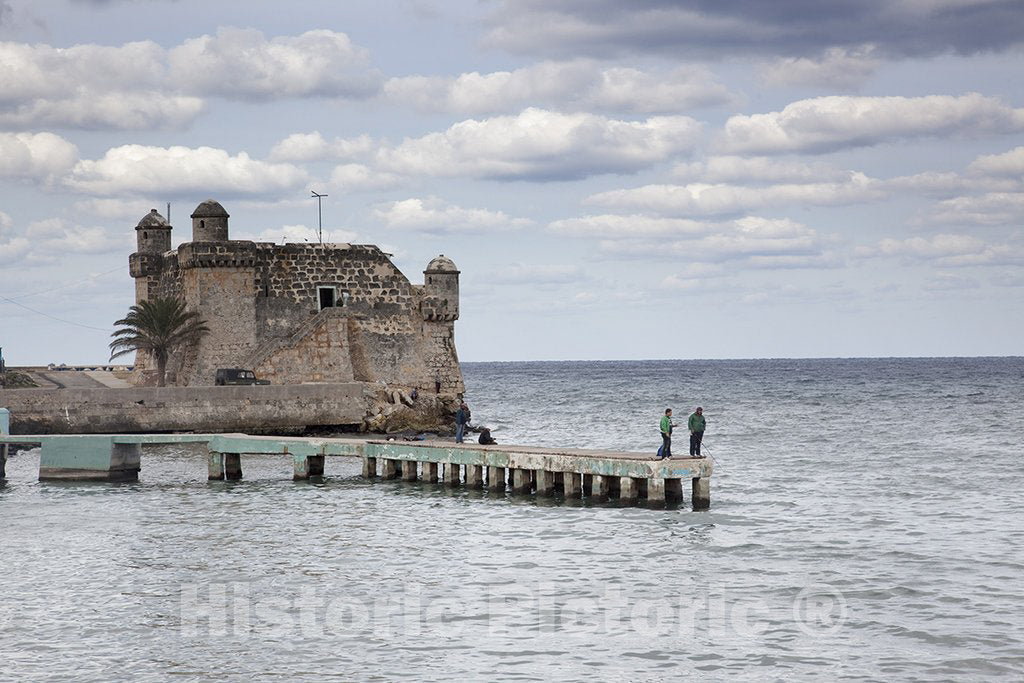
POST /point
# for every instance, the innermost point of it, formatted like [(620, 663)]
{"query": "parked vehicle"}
[(230, 376)]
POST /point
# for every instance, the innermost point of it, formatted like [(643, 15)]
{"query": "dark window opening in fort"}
[(202, 224), (328, 297), (145, 235)]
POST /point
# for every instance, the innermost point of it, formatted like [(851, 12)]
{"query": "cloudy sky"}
[(647, 179)]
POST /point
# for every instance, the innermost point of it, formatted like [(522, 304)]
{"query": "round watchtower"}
[(153, 234), (210, 222), (441, 283)]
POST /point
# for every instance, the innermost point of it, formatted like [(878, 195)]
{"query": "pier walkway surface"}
[(526, 470)]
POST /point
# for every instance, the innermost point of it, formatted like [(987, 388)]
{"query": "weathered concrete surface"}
[(98, 458), (198, 409), (624, 475)]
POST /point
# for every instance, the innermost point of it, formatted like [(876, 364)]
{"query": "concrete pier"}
[(626, 477), (5, 428)]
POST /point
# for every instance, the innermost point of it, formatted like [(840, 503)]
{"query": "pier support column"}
[(5, 428), (522, 482), (598, 486), (409, 470), (701, 493), (572, 484), (496, 478), (656, 491), (430, 472), (545, 483), (389, 470), (673, 490), (215, 466), (232, 466), (451, 474), (613, 484), (369, 467), (306, 466), (628, 488), (474, 476)]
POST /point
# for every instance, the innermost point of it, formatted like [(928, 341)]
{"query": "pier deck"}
[(524, 470)]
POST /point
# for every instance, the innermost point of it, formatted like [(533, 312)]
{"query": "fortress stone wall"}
[(299, 313)]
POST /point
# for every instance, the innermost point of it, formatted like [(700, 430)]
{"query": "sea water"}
[(866, 524)]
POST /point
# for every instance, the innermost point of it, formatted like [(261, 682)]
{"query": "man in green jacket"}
[(697, 424), (666, 434)]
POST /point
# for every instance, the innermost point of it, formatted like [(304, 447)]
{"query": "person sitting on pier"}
[(485, 437)]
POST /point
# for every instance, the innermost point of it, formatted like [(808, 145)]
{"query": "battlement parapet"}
[(240, 254)]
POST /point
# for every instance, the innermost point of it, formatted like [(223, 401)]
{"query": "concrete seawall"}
[(206, 409)]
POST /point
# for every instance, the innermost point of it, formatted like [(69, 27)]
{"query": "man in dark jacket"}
[(461, 418), (697, 424)]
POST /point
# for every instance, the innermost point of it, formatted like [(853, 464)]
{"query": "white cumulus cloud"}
[(826, 124), (837, 67), (35, 156), (139, 169), (733, 169), (1006, 164), (705, 199), (299, 147), (434, 216), (542, 145), (574, 85), (243, 63)]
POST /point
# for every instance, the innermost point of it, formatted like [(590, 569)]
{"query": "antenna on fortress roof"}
[(320, 215), (168, 213)]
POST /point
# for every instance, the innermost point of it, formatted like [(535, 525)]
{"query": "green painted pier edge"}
[(524, 470)]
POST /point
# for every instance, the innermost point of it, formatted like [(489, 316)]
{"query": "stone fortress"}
[(299, 313)]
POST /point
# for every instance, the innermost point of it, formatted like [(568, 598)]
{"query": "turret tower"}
[(153, 234), (153, 238), (441, 285), (210, 222)]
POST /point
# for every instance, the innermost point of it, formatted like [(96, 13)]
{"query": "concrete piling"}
[(496, 478), (451, 474), (628, 488), (545, 483), (656, 491), (215, 466), (409, 472), (430, 472), (701, 493), (369, 467), (389, 470), (522, 482), (599, 486), (474, 476), (232, 466), (307, 466), (572, 484)]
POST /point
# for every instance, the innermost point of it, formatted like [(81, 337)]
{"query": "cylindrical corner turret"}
[(210, 222), (441, 285), (153, 234)]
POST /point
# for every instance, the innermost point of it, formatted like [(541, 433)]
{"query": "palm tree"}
[(158, 326)]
